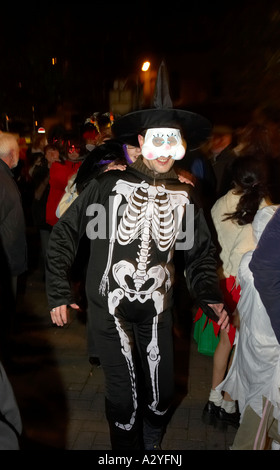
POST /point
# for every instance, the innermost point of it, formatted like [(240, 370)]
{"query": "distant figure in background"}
[(220, 151), (262, 139), (269, 117), (253, 139), (105, 122), (23, 173), (90, 133), (57, 135), (131, 152), (201, 172), (60, 174), (39, 142), (40, 177)]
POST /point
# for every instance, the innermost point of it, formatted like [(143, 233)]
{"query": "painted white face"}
[(163, 142)]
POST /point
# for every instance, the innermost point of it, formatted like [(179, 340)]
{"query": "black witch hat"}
[(194, 127)]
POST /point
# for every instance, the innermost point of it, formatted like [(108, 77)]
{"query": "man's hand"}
[(222, 314), (113, 166), (59, 315)]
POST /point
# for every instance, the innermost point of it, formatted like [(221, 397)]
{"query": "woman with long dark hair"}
[(232, 216)]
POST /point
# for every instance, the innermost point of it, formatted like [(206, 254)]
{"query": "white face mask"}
[(163, 142)]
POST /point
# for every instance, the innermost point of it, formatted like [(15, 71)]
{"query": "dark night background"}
[(222, 59)]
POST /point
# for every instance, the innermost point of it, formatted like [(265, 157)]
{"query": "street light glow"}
[(146, 67)]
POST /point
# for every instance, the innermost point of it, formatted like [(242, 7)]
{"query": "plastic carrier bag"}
[(205, 337)]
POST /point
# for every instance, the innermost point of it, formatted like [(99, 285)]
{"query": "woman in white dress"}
[(254, 377)]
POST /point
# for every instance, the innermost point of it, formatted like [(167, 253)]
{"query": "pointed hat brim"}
[(194, 127)]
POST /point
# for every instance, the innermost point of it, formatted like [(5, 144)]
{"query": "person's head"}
[(220, 139), (90, 133), (249, 172), (73, 149), (131, 153), (105, 122), (253, 139), (9, 149), (97, 161), (57, 136), (250, 180), (160, 148), (52, 154), (39, 141), (164, 134), (269, 117)]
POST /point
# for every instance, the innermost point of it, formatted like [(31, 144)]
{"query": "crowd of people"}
[(150, 162)]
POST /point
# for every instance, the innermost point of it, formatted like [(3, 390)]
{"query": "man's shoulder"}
[(4, 169), (6, 177)]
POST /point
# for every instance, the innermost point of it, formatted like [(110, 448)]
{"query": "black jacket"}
[(12, 223), (200, 261), (40, 180), (10, 419), (265, 266)]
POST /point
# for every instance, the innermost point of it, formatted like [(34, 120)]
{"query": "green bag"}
[(205, 337)]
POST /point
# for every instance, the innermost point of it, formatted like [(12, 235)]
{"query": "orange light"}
[(146, 66)]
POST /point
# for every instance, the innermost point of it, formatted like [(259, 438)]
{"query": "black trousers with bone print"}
[(134, 392)]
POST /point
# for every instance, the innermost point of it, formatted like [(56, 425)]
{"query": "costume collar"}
[(140, 166)]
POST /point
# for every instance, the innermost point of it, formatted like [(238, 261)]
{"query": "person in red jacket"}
[(60, 173)]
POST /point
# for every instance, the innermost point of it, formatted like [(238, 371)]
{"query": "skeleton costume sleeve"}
[(63, 246), (201, 267)]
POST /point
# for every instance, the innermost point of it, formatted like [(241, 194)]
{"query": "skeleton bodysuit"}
[(129, 284)]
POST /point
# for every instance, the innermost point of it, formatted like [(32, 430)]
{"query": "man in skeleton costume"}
[(135, 220)]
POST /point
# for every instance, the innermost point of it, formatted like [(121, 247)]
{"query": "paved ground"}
[(61, 396)]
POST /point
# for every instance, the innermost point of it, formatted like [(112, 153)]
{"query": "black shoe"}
[(210, 413), (228, 419)]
